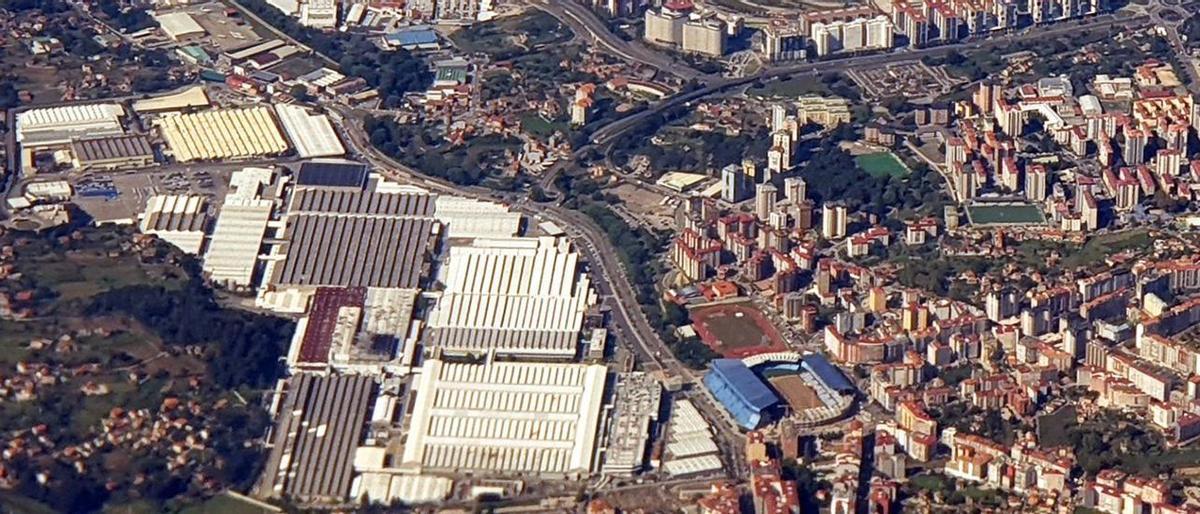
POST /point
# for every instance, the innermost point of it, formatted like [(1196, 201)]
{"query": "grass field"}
[(1052, 428), (791, 87), (881, 164), (226, 504), (1015, 214), (505, 37), (535, 124), (1100, 247)]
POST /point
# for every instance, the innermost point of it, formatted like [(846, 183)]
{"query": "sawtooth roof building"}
[(515, 296), (176, 219), (223, 134), (112, 152), (505, 418), (320, 423), (336, 237)]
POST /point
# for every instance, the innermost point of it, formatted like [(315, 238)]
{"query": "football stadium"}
[(767, 387)]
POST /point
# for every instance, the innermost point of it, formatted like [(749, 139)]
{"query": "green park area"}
[(881, 164), (790, 87), (1005, 214)]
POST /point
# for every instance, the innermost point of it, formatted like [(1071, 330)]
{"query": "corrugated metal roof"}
[(329, 173), (337, 237), (505, 417), (319, 427), (413, 36), (131, 146)]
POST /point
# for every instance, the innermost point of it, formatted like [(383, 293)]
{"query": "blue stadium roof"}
[(745, 382), (828, 373), (740, 391)]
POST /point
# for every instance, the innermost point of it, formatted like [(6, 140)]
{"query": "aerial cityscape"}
[(600, 256)]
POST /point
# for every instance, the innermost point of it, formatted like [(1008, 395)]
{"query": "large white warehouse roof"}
[(312, 134), (223, 134), (523, 296), (241, 225), (505, 418), (58, 125)]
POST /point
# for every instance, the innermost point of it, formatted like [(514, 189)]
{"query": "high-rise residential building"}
[(706, 37), (826, 38), (880, 34), (1168, 162), (1009, 117), (734, 184), (985, 97), (795, 189), (664, 26), (833, 221), (764, 200), (1035, 182), (783, 42), (779, 116), (750, 170), (1134, 148), (854, 35), (777, 159)]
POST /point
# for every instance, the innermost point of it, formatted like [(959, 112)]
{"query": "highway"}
[(612, 283), (607, 134), (584, 22)]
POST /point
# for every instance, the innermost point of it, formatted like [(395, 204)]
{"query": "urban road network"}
[(610, 278)]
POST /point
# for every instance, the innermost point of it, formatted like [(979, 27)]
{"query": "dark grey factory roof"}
[(113, 147), (346, 238), (340, 201), (319, 462), (332, 174), (479, 340), (355, 251)]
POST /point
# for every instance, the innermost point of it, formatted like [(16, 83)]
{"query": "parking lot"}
[(120, 197)]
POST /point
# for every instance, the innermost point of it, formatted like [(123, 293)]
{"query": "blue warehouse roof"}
[(828, 373)]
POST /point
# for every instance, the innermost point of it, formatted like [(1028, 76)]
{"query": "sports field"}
[(1009, 214), (736, 331), (795, 392), (881, 164)]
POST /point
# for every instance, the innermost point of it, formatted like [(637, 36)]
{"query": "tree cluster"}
[(242, 348)]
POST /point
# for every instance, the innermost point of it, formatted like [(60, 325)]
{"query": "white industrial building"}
[(514, 296), (176, 219), (505, 418), (470, 218), (312, 134), (241, 226), (690, 446), (319, 14), (57, 126), (223, 134), (179, 26)]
